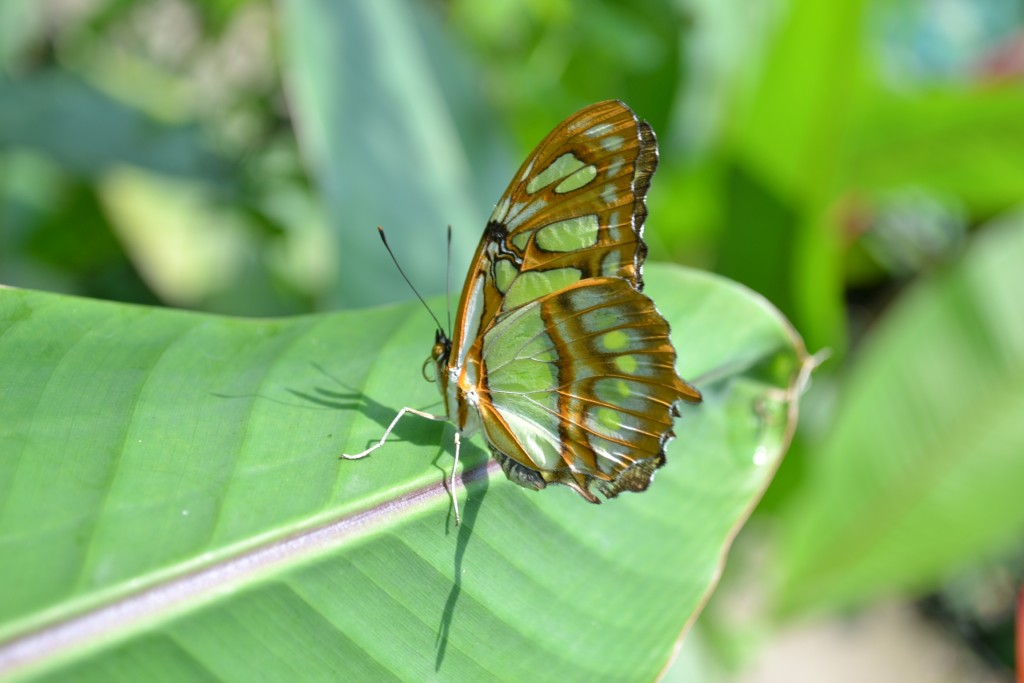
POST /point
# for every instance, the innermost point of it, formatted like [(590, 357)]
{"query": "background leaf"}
[(173, 500), (960, 143), (783, 166), (87, 131), (922, 470), (389, 141)]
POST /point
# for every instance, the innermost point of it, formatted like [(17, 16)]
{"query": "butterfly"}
[(557, 356)]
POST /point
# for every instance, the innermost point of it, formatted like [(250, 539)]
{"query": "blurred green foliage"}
[(235, 157)]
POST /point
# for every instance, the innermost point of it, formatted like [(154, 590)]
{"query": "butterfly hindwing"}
[(582, 386)]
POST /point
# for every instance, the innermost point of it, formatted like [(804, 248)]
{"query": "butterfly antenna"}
[(387, 246), (448, 281)]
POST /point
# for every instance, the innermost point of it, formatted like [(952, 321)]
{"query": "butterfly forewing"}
[(575, 210), (578, 201)]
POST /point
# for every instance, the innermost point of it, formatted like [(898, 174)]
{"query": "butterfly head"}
[(438, 356), (442, 349)]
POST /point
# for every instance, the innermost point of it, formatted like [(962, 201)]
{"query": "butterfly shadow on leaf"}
[(479, 477), (476, 475), (410, 429)]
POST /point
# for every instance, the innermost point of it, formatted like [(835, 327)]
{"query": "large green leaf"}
[(173, 507), (923, 470)]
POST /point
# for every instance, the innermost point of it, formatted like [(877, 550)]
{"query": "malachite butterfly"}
[(556, 356)]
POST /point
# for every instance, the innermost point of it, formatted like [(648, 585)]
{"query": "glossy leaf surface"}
[(173, 504)]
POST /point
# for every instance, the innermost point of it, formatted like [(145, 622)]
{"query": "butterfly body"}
[(556, 355)]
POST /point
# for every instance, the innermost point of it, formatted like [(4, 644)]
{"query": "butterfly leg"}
[(451, 482), (387, 432)]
